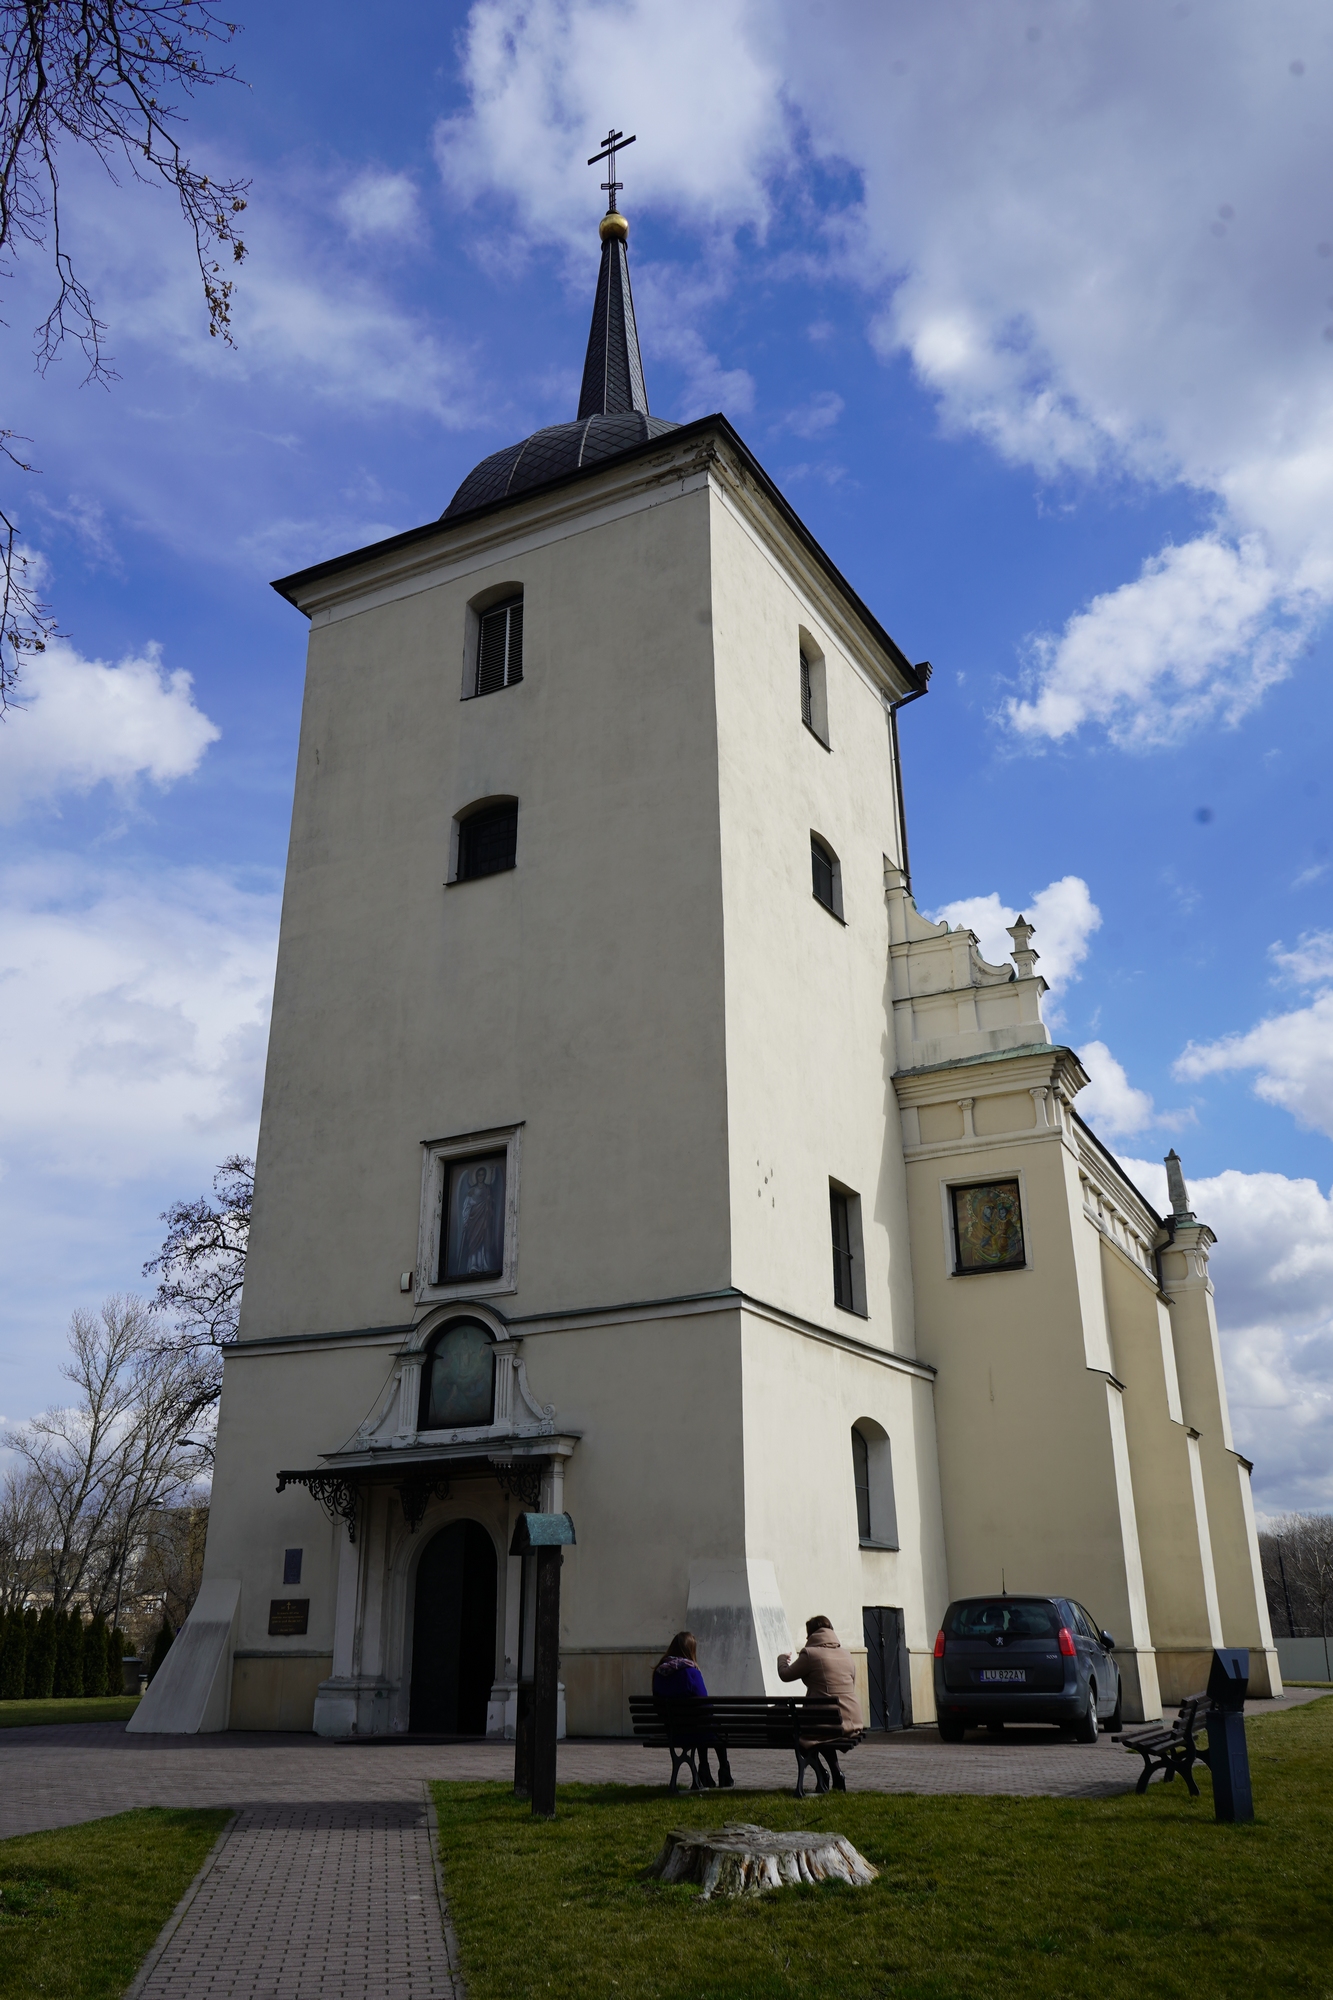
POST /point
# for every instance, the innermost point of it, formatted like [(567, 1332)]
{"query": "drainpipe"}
[(923, 669)]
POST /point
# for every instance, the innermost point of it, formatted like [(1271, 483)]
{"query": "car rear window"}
[(1015, 1617)]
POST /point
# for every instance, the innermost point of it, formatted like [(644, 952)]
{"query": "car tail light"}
[(939, 1645), (1067, 1646)]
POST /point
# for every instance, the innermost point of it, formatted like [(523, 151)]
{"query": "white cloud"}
[(380, 206), (1110, 1102), (690, 79), (1100, 235), (136, 1009), (1194, 634), (708, 385), (136, 1017), (1292, 1053), (1273, 1272), (307, 314), (1063, 916), (85, 723), (1310, 961), (817, 417)]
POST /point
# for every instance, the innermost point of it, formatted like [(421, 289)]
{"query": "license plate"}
[(1004, 1673)]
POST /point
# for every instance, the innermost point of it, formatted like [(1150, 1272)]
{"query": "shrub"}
[(115, 1655), (39, 1675), (94, 1657), (68, 1681), (30, 1650), (161, 1647), (13, 1652)]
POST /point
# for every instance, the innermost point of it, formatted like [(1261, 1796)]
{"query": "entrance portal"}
[(453, 1632)]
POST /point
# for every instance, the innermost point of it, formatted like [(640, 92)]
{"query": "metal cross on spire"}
[(611, 145)]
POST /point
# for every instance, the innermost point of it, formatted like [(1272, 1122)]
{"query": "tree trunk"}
[(741, 1860)]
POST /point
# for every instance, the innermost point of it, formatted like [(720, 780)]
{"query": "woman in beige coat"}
[(827, 1669)]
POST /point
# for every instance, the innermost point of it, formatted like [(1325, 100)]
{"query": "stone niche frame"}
[(437, 1155), (976, 1179), (393, 1422)]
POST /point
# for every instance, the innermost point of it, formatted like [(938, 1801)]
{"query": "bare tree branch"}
[(99, 1467), (1297, 1556), (100, 74), (201, 1269)]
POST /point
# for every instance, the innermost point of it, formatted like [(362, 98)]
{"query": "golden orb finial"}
[(613, 223)]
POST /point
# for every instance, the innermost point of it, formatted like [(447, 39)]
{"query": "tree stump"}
[(742, 1860)]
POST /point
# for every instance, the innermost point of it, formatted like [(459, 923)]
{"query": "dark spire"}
[(613, 371)]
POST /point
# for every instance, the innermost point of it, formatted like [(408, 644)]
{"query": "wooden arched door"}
[(453, 1632)]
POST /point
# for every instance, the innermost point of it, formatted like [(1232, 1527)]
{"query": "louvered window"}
[(500, 647), (824, 874), (861, 1479), (843, 1288), (807, 710), (488, 840)]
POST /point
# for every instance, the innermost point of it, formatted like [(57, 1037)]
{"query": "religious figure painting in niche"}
[(474, 1220), (988, 1227), (459, 1386)]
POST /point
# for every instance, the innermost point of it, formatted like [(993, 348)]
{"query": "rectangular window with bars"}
[(500, 647)]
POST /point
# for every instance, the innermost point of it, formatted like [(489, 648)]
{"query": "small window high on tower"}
[(499, 647), (487, 840), (814, 688), (826, 877)]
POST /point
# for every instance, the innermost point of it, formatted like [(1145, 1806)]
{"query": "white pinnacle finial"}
[(1175, 1187), (1022, 954)]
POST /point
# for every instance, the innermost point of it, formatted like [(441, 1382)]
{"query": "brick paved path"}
[(317, 1902)]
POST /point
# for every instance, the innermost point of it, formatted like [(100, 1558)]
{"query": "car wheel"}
[(1116, 1721), (1085, 1729), (951, 1732)]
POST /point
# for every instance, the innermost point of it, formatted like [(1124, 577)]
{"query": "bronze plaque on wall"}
[(288, 1617)]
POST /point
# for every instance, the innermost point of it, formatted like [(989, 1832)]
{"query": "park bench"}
[(1171, 1747), (687, 1724)]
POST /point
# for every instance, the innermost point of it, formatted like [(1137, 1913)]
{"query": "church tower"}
[(615, 1089)]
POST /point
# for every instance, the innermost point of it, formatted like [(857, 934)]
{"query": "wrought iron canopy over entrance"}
[(421, 1476)]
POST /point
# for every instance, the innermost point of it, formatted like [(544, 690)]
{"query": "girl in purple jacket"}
[(675, 1677)]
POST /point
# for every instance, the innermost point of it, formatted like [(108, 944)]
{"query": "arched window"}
[(826, 876), (814, 690), (487, 840), (861, 1474), (872, 1476), (458, 1379), (499, 642)]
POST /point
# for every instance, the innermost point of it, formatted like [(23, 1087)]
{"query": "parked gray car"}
[(1024, 1659)]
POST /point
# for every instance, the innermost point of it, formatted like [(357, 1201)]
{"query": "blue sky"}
[(1027, 306)]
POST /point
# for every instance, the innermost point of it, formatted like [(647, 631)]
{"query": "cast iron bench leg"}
[(680, 1759), (1185, 1772), (809, 1760)]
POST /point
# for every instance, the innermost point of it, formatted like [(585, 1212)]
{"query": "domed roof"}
[(551, 453), (613, 406)]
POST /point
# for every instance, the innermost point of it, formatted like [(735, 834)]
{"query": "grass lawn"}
[(79, 1908), (978, 1897), (89, 1708)]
